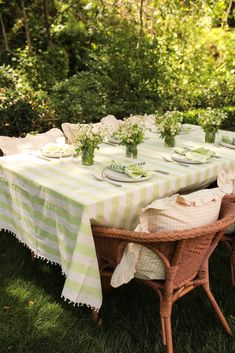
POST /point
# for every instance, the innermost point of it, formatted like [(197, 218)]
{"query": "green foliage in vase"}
[(169, 123), (211, 119), (130, 132)]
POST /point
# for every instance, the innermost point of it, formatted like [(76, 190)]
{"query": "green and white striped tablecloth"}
[(50, 206)]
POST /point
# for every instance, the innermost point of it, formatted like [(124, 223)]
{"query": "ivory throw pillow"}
[(227, 178), (53, 135), (12, 145), (110, 123), (182, 211), (177, 212)]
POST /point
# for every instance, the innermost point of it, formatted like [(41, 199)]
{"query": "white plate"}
[(227, 145), (111, 174), (57, 154), (184, 132), (114, 140), (182, 159)]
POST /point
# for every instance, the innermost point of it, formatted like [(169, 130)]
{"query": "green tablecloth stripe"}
[(61, 211), (25, 183), (17, 204), (85, 288)]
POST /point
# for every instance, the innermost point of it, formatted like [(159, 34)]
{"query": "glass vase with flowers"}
[(87, 139), (169, 125), (210, 120), (130, 134)]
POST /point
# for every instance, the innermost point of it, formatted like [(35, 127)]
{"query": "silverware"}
[(161, 171), (171, 160), (100, 178)]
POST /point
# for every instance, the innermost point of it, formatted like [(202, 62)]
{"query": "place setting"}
[(123, 171), (187, 155), (228, 142)]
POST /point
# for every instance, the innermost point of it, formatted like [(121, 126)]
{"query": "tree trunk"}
[(4, 33), (26, 24), (47, 23), (141, 22), (224, 23)]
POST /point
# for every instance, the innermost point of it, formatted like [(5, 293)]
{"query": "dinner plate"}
[(114, 140), (228, 145), (184, 131), (112, 174), (57, 154), (182, 159)]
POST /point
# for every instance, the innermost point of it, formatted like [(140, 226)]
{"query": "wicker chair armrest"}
[(227, 217), (230, 197)]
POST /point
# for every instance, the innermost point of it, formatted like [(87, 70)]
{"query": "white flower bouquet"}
[(87, 138), (169, 124), (211, 119), (130, 132)]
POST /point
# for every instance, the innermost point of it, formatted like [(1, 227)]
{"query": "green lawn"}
[(34, 319)]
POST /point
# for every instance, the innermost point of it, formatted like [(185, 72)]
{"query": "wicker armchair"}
[(185, 255), (229, 241)]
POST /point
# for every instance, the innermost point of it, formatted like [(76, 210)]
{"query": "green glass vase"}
[(88, 155), (210, 136), (169, 141), (131, 151)]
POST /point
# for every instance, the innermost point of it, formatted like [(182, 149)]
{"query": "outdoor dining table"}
[(50, 205)]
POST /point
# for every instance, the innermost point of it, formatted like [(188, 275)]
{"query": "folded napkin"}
[(133, 170), (229, 140), (199, 154), (53, 148)]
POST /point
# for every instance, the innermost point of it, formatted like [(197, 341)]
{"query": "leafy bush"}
[(44, 69), (79, 98), (17, 119), (129, 73)]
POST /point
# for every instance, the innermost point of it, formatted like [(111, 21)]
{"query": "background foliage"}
[(84, 59)]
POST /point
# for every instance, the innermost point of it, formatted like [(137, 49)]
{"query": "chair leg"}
[(217, 310), (233, 263), (96, 318), (169, 343), (163, 331), (233, 273)]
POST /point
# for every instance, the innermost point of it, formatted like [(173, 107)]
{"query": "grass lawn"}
[(34, 319)]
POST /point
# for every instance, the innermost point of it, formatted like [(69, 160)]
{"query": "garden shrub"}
[(79, 98)]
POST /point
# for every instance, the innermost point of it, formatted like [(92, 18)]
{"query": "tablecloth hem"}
[(69, 301)]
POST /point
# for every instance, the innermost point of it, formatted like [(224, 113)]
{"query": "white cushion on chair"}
[(12, 145), (69, 130), (177, 212), (110, 122), (182, 211), (227, 178), (39, 140)]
